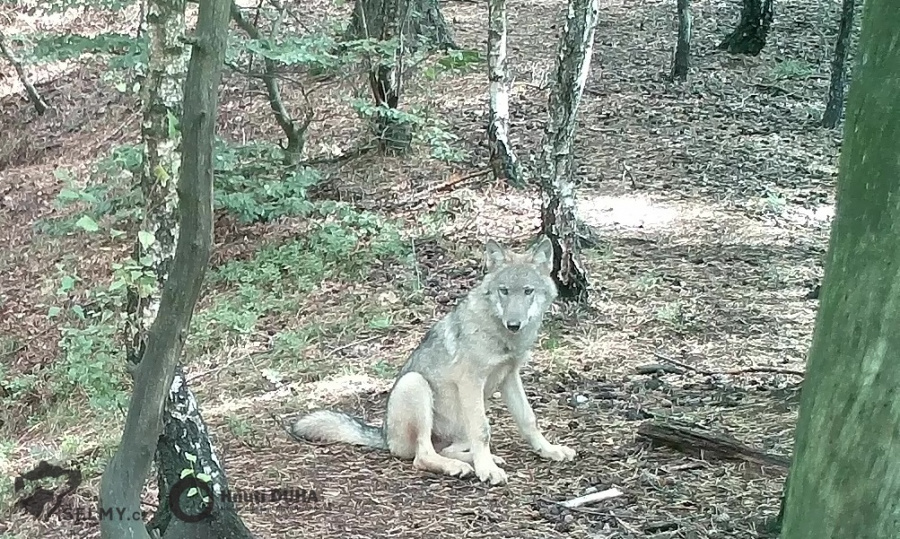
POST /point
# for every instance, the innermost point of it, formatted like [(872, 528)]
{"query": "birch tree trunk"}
[(503, 159), (558, 215), (835, 103), (681, 62), (845, 478), (749, 37)]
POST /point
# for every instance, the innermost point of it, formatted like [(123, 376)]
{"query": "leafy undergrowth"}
[(712, 201)]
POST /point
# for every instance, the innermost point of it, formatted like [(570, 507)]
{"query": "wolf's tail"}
[(329, 426)]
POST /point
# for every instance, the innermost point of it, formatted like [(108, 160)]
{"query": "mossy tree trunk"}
[(835, 103), (845, 478), (124, 477), (558, 213), (681, 61), (411, 26), (749, 37), (503, 159)]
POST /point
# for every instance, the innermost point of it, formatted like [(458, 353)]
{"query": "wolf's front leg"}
[(478, 432), (514, 394)]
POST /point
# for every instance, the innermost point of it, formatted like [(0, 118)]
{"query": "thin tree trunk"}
[(125, 475), (558, 215), (750, 35), (845, 478), (503, 159), (418, 25), (835, 104), (39, 104), (681, 62), (295, 135)]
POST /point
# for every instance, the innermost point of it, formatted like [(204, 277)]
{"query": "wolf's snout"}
[(513, 326)]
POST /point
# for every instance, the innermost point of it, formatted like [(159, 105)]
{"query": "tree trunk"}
[(185, 445), (835, 103), (750, 35), (294, 133), (503, 159), (558, 220), (845, 478), (39, 104), (418, 25), (125, 475), (681, 62)]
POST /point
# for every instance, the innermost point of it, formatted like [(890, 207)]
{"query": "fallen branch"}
[(692, 441), (593, 497), (654, 368), (39, 104), (450, 185), (745, 370)]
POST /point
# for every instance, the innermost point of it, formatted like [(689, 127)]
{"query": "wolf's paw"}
[(491, 473), (557, 452), (458, 468), (498, 460)]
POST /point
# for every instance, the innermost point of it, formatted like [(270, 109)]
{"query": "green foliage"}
[(92, 362), (793, 69), (455, 62), (53, 48), (311, 50), (253, 185)]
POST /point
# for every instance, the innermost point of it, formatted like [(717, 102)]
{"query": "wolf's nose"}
[(513, 326)]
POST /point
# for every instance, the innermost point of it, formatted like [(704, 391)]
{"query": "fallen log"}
[(703, 444)]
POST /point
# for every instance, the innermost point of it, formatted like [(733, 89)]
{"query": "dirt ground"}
[(712, 200)]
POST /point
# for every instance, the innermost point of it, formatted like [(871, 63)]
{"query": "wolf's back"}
[(331, 426)]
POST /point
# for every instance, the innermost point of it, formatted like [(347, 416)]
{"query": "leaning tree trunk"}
[(36, 100), (681, 62), (124, 477), (750, 35), (503, 159), (558, 215), (417, 25), (845, 480), (835, 103)]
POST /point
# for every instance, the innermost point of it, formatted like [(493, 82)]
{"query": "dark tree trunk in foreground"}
[(845, 478), (420, 26), (39, 104), (125, 475), (558, 215), (503, 159), (681, 62), (835, 104), (750, 35)]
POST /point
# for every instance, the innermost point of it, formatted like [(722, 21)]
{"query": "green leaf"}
[(204, 477), (186, 472), (68, 283), (87, 223), (146, 238), (118, 284), (78, 310), (190, 458), (53, 312), (192, 492), (121, 87)]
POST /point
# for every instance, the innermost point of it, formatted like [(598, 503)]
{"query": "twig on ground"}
[(450, 185), (593, 497), (653, 368), (349, 344), (744, 370)]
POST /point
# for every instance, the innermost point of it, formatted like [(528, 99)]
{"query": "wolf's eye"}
[(503, 291), (528, 290)]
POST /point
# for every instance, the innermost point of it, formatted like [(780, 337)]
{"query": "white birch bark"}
[(503, 159)]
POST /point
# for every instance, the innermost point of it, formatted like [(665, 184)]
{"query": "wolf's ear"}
[(494, 255), (542, 255)]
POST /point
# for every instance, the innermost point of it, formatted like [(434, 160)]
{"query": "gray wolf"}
[(436, 409)]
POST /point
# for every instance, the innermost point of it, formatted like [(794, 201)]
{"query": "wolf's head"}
[(519, 286)]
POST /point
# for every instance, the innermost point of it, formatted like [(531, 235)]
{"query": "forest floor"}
[(712, 200)]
